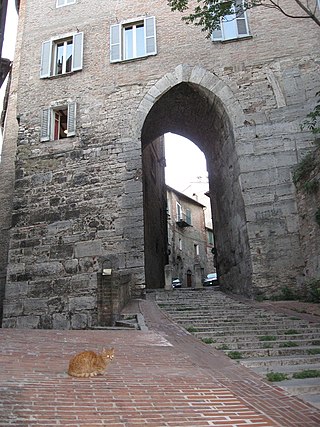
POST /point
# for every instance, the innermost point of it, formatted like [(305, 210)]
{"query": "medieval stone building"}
[(94, 84), (187, 238)]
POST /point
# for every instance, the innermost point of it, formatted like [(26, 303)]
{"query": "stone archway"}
[(194, 103)]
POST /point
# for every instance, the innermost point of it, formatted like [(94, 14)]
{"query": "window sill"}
[(139, 58), (58, 76), (237, 39)]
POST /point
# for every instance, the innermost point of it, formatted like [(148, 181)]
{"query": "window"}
[(64, 2), (196, 250), (133, 39), (179, 211), (61, 56), (58, 122), (232, 26), (210, 237)]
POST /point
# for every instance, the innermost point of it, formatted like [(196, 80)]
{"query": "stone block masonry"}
[(79, 200)]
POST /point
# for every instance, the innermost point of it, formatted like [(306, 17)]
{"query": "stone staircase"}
[(272, 344)]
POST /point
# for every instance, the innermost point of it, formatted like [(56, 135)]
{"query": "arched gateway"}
[(196, 104)]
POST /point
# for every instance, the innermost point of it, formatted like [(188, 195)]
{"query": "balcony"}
[(183, 221)]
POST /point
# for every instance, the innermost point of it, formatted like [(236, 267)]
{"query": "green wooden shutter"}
[(45, 124), (115, 43), (46, 53), (150, 32), (72, 109), (77, 54)]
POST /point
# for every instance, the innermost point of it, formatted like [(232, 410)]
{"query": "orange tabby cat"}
[(89, 363)]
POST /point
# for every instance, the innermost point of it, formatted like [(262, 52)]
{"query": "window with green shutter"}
[(133, 39)]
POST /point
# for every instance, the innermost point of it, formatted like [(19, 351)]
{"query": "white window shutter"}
[(46, 52), (241, 19), (115, 43), (77, 54), (217, 33), (72, 109), (45, 124), (150, 27)]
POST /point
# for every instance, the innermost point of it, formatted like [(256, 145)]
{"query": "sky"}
[(10, 31), (185, 162)]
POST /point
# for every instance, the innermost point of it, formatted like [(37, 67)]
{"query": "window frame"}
[(49, 54), (47, 128), (219, 33), (117, 39), (179, 211), (196, 250), (65, 3)]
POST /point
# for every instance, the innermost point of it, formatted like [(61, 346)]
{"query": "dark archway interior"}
[(197, 114)]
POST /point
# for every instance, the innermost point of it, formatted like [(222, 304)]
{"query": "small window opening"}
[(60, 123)]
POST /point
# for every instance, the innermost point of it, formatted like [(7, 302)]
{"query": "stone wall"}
[(308, 199), (155, 213), (7, 167), (79, 200)]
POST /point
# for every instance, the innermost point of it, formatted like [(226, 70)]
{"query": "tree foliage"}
[(207, 13), (312, 122)]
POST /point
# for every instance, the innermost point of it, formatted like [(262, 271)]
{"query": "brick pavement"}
[(160, 377)]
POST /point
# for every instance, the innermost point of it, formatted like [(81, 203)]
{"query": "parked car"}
[(211, 280), (176, 283)]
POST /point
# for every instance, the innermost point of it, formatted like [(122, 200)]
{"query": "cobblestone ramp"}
[(260, 339)]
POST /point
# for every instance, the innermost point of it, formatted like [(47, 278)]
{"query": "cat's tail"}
[(81, 375)]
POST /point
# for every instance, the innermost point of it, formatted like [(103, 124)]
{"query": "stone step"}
[(286, 369), (255, 330), (287, 360), (198, 315), (254, 324), (266, 352), (265, 345), (240, 332), (297, 387), (243, 338), (313, 399)]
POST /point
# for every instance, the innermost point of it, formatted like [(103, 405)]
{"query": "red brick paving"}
[(162, 377)]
